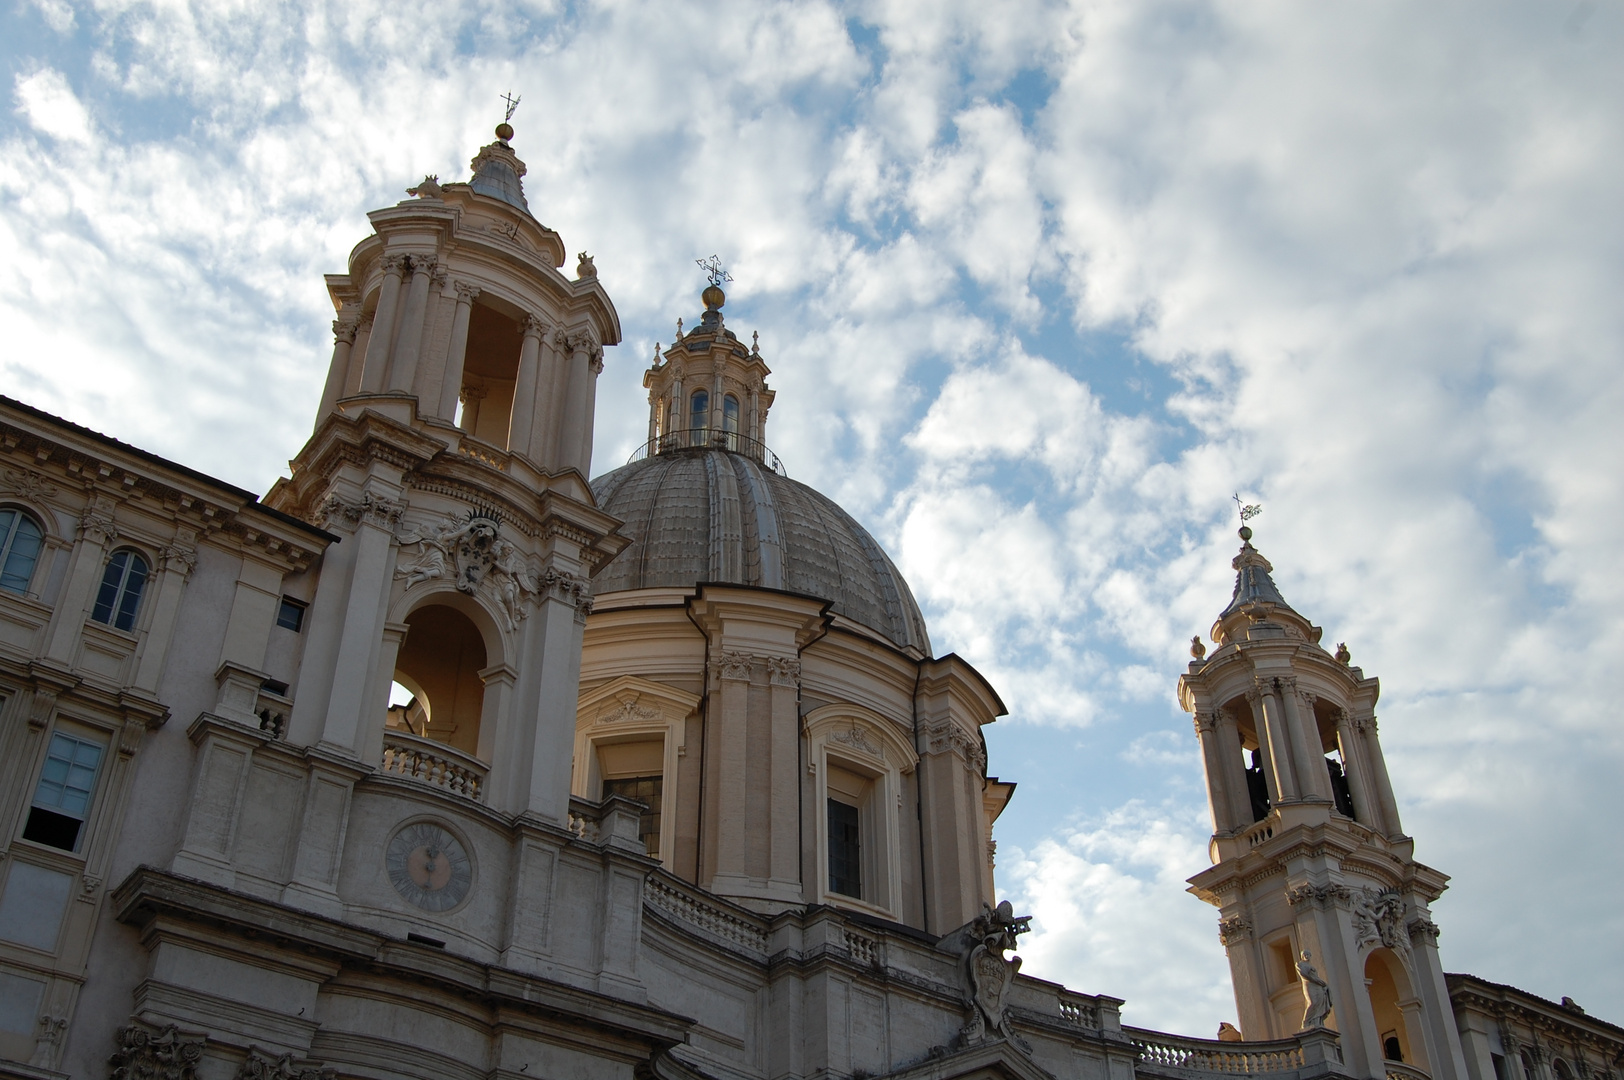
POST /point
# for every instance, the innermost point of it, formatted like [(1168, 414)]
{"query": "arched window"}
[(121, 586), (730, 420), (699, 418), (20, 541)]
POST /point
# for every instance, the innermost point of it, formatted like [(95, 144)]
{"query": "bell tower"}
[(1322, 905), (450, 456)]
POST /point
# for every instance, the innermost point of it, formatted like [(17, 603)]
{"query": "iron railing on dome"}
[(710, 438)]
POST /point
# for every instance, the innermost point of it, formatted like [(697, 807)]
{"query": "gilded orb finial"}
[(504, 130), (1247, 512)]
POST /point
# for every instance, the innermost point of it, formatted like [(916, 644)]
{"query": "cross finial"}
[(713, 270), (755, 342), (1248, 511), (512, 104)]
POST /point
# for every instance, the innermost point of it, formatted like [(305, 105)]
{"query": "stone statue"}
[(428, 189), (1316, 994), (990, 973), (1228, 1032)]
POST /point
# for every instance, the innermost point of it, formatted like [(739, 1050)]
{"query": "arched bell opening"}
[(1254, 758), (490, 369), (1391, 998), (440, 663), (1338, 758)]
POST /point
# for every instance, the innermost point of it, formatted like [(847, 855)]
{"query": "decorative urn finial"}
[(1197, 649)]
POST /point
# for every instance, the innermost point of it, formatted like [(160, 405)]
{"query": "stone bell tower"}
[(450, 455), (1312, 873)]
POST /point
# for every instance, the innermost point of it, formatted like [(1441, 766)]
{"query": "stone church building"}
[(443, 760)]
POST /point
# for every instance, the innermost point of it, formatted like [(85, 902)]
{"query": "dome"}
[(711, 515)]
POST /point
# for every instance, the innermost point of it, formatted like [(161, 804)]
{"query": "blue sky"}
[(1042, 284)]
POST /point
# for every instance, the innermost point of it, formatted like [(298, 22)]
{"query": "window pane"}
[(69, 775), (291, 615), (845, 849), (646, 790), (20, 542), (112, 580), (134, 582)]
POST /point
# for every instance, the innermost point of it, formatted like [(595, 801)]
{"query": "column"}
[(594, 365), (755, 413), (383, 326), (338, 371), (457, 352), (1312, 779), (784, 676), (653, 419), (716, 399), (471, 397), (572, 430), (430, 378), (403, 370), (1274, 734), (552, 437), (363, 337), (728, 810), (96, 531), (1218, 796), (179, 558), (544, 430), (1356, 767), (1228, 737), (1367, 729), (677, 421), (523, 418), (360, 629)]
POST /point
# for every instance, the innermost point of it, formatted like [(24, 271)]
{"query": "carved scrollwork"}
[(534, 327), (48, 1041), (373, 509), (261, 1066), (945, 737), (1234, 929), (783, 671), (733, 665), (148, 1052), (395, 264), (856, 738), (1205, 721), (96, 523), (1321, 895), (181, 556), (345, 327), (467, 293), (27, 485), (1421, 928)]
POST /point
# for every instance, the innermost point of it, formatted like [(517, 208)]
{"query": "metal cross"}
[(713, 269), (1248, 512), (512, 104)]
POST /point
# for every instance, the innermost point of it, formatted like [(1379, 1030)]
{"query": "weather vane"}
[(713, 269), (512, 104), (1248, 510)]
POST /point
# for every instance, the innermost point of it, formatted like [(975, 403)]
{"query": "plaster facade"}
[(681, 789)]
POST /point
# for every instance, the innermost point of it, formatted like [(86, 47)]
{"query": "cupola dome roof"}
[(713, 515)]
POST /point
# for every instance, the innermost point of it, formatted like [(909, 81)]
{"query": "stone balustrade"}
[(669, 897), (1159, 1049), (434, 763), (1399, 1071)]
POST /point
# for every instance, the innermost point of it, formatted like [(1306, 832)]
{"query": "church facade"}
[(445, 760)]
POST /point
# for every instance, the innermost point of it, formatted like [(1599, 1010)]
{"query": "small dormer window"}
[(699, 417), (730, 420), (122, 584)]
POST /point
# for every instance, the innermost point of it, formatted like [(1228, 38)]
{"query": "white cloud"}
[(50, 106)]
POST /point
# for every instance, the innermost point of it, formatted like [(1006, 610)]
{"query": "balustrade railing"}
[(1397, 1070), (1214, 1056), (434, 763), (705, 438), (696, 911)]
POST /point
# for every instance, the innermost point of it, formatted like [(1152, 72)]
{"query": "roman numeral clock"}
[(429, 867)]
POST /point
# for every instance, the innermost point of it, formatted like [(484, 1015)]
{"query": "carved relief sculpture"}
[(148, 1052), (1378, 919), (261, 1066), (991, 973)]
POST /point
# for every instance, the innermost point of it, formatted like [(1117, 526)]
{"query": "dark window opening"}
[(62, 798), (845, 849), (646, 790), (121, 586), (1258, 789), (290, 616), (1390, 1049), (1339, 787)]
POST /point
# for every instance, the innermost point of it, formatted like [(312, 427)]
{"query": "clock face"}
[(428, 866)]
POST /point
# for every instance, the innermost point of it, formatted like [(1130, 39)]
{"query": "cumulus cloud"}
[(1041, 285)]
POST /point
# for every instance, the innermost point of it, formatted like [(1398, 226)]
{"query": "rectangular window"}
[(845, 849), (290, 616), (62, 798), (646, 790)]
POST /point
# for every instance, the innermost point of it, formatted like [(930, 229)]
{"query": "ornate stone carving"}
[(422, 264), (856, 738), (148, 1052), (1205, 721), (373, 509), (782, 671), (27, 485), (508, 229), (394, 264), (48, 1041), (261, 1066), (466, 293), (1197, 649), (1233, 929), (1420, 928), (534, 327), (345, 327), (96, 523), (733, 665), (583, 341), (1322, 895), (181, 556), (990, 974), (627, 710), (41, 708), (944, 737), (585, 267), (1378, 918), (1316, 993)]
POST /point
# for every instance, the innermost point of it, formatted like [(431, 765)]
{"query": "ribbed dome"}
[(711, 515)]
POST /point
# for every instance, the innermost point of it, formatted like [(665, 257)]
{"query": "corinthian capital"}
[(396, 264), (466, 293), (345, 327), (534, 327)]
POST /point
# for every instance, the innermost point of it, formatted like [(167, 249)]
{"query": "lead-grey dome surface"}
[(710, 515)]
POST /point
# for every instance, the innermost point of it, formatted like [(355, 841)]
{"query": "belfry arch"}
[(1388, 984)]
